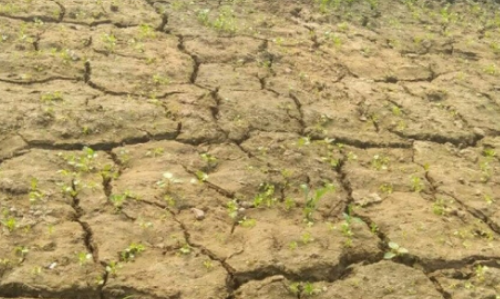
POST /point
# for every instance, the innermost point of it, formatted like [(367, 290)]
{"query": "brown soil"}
[(245, 149)]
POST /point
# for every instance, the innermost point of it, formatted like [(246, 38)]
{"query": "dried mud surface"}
[(249, 149)]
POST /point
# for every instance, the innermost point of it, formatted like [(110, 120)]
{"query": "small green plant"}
[(146, 31), (394, 250), (225, 21), (247, 222), (386, 188), (109, 41), (306, 238), (396, 111), (208, 265), (131, 252), (266, 196), (84, 162), (156, 152), (489, 200), (486, 171), (201, 176), (232, 209), (380, 162), (51, 97), (489, 153), (167, 181), (416, 184), (439, 207), (185, 249), (83, 258), (21, 252), (210, 160), (35, 194), (10, 224), (312, 201), (112, 268), (289, 204), (480, 272)]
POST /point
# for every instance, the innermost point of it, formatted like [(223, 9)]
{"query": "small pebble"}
[(198, 214)]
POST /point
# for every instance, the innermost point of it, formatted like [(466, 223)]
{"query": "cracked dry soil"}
[(160, 149)]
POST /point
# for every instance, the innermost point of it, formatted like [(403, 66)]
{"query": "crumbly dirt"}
[(241, 149)]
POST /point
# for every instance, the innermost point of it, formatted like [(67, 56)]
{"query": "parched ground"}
[(249, 149)]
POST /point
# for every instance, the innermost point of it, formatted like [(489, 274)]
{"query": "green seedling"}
[(131, 252), (185, 249), (380, 162), (210, 160), (266, 196), (208, 265), (146, 31), (35, 194), (83, 162), (439, 207), (83, 258), (480, 272), (486, 171), (306, 238), (386, 188), (167, 181), (232, 209), (247, 222), (109, 41), (156, 152), (290, 204), (416, 184), (112, 268), (395, 250), (51, 97), (21, 252), (201, 176), (489, 153), (312, 201), (489, 200), (10, 224), (123, 156)]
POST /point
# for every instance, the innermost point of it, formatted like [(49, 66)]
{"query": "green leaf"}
[(402, 250), (389, 255), (393, 245)]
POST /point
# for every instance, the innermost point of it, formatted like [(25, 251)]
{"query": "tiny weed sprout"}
[(112, 267), (480, 272), (208, 265), (386, 188), (156, 152), (185, 249), (266, 196), (210, 160), (201, 176), (312, 201), (83, 258), (167, 181), (380, 162), (395, 250), (21, 252), (306, 238), (416, 184), (247, 222), (10, 224), (290, 204), (132, 251), (35, 194), (439, 207), (83, 162), (232, 209)]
